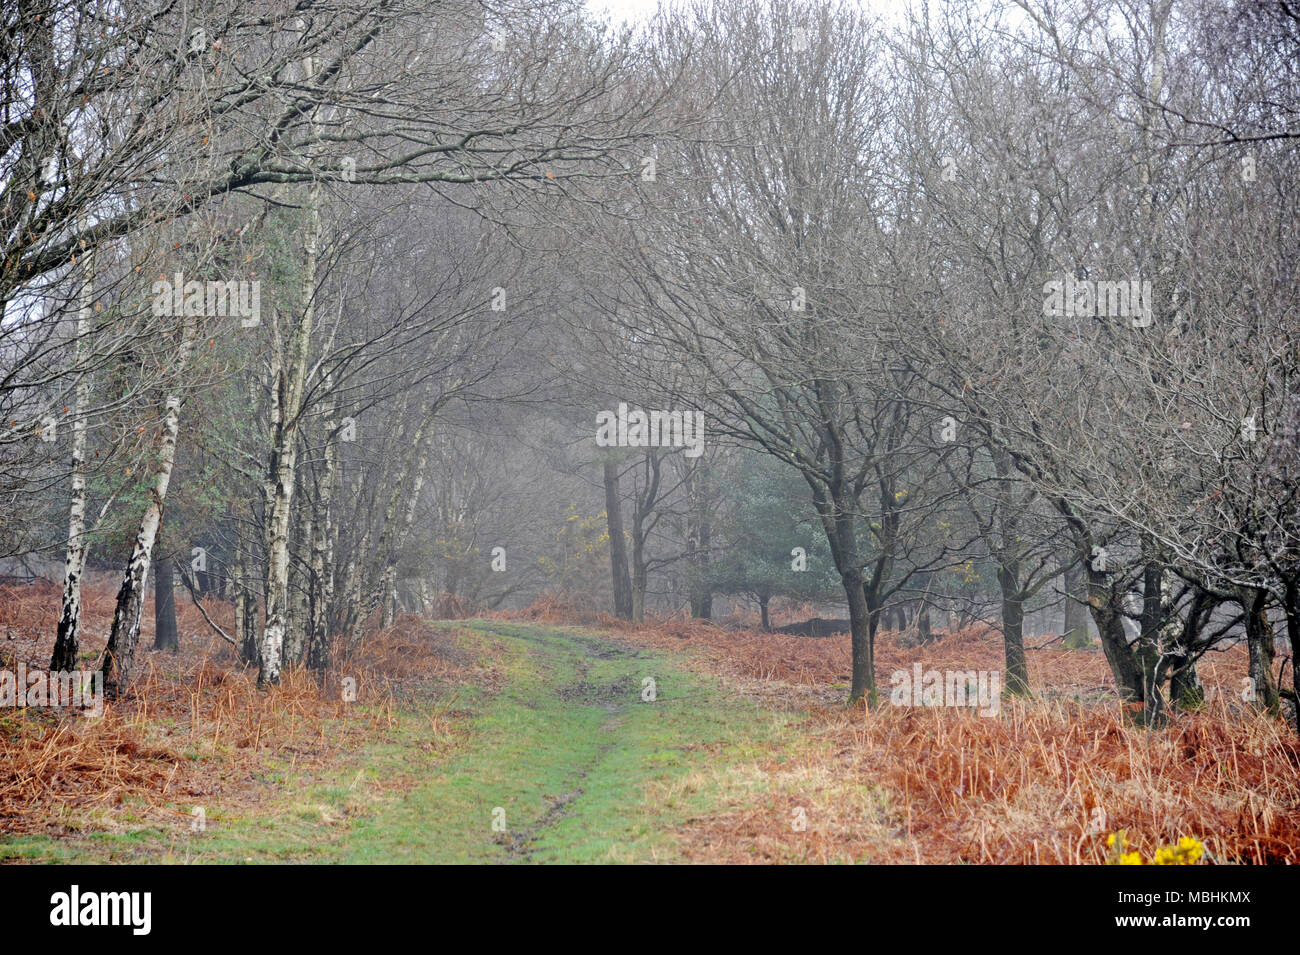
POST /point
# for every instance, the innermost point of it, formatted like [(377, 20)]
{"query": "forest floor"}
[(535, 737), (563, 757)]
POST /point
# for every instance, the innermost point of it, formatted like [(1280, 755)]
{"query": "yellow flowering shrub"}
[(1187, 851)]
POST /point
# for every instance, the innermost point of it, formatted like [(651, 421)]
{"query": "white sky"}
[(623, 10), (638, 11)]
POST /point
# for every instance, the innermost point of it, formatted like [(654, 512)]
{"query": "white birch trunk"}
[(408, 519), (392, 534), (287, 390), (295, 637), (288, 386), (119, 655), (67, 641), (355, 614), (322, 563)]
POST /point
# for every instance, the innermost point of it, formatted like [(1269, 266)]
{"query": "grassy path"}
[(569, 759), (566, 762)]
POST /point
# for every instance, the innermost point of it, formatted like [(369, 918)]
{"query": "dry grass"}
[(1022, 788), (194, 728), (890, 785), (903, 784)]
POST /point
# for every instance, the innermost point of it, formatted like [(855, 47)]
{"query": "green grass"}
[(584, 770)]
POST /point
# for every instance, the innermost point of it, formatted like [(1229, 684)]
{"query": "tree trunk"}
[(166, 636), (763, 600), (622, 577), (1259, 643), (643, 507), (1291, 603), (1013, 626), (287, 386), (245, 604), (415, 476), (295, 633), (924, 631), (67, 640), (1108, 616), (389, 599), (322, 560), (1075, 630), (1007, 557), (124, 636), (862, 627), (639, 574), (1154, 665), (352, 618), (837, 515), (1186, 692), (1152, 600), (279, 499), (698, 541), (393, 532)]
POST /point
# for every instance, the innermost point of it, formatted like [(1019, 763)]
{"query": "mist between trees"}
[(340, 310)]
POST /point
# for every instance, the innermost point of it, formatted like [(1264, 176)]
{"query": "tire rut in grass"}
[(522, 846), (609, 696), (568, 663)]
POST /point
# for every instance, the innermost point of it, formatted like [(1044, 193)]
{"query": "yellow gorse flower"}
[(1187, 851)]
